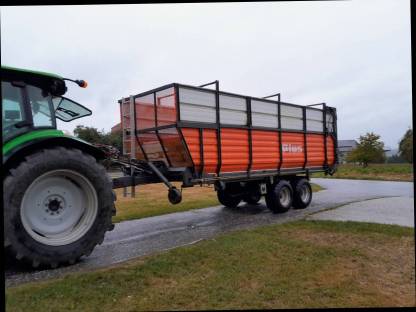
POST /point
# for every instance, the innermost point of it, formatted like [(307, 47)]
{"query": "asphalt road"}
[(131, 239)]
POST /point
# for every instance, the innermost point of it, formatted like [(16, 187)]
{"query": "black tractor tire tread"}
[(18, 242)]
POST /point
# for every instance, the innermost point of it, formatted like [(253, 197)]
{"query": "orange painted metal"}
[(265, 149), (210, 150), (292, 150), (316, 150), (209, 137)]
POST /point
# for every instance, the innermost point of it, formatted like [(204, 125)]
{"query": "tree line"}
[(94, 136), (370, 149)]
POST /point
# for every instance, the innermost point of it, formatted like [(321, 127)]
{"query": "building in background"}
[(116, 128), (344, 148)]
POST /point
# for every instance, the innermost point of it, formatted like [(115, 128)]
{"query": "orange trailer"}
[(246, 146)]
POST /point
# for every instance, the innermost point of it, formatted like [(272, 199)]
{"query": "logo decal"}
[(292, 148)]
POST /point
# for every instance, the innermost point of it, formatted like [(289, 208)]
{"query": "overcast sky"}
[(354, 55)]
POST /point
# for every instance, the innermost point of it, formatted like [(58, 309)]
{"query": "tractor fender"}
[(16, 155)]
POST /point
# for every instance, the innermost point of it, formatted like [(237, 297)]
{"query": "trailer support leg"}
[(174, 195)]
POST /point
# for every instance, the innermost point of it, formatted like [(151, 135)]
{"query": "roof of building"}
[(347, 143)]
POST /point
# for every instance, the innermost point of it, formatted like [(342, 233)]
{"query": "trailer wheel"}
[(279, 197), (228, 199), (58, 204), (302, 194), (252, 198)]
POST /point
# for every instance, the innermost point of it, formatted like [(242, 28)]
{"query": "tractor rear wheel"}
[(58, 204)]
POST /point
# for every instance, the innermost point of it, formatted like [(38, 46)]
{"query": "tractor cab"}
[(33, 100)]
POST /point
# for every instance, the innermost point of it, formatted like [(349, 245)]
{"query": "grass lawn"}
[(152, 200), (294, 265), (390, 172)]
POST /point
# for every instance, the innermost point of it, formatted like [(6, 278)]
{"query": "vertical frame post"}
[(123, 134), (250, 138), (132, 140), (325, 138), (305, 145), (217, 108), (279, 120)]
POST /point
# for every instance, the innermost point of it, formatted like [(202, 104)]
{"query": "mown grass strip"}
[(293, 265)]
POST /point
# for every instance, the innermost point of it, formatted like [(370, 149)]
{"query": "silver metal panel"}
[(233, 117), (264, 114), (313, 125), (199, 113), (329, 122), (196, 97), (263, 107), (233, 102), (313, 114), (233, 110), (292, 123), (264, 120), (291, 111), (196, 105)]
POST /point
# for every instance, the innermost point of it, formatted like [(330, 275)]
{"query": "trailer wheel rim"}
[(285, 196), (305, 193), (59, 207)]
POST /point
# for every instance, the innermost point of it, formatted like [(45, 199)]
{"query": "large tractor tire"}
[(58, 204), (279, 197), (302, 196)]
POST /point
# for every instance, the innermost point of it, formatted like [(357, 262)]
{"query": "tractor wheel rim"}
[(59, 207), (284, 196), (305, 193)]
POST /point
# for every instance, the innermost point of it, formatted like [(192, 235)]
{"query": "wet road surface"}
[(131, 239), (391, 210)]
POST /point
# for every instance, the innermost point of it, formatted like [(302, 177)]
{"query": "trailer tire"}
[(228, 199), (58, 204), (279, 196), (252, 198), (302, 194)]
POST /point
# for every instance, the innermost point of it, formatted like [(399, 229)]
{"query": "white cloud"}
[(354, 55)]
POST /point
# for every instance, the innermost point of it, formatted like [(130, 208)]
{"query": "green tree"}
[(88, 134), (92, 135), (369, 150), (406, 146), (114, 139), (395, 159)]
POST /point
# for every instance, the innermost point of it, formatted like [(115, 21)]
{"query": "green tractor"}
[(57, 197)]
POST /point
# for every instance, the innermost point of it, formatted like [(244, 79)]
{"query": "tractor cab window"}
[(67, 110), (13, 113), (41, 105)]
